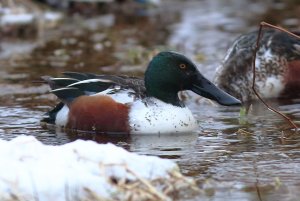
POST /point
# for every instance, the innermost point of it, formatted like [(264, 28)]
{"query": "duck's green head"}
[(170, 72)]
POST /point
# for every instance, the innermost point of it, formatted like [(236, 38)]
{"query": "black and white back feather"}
[(77, 84)]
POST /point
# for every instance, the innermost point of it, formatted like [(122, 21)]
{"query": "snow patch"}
[(33, 171), (19, 18)]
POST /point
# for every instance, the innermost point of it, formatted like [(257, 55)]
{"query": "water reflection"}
[(171, 146), (257, 160)]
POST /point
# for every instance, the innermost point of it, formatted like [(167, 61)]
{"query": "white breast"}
[(158, 117), (271, 87)]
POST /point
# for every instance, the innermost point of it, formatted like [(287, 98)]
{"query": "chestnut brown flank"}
[(292, 79), (99, 113)]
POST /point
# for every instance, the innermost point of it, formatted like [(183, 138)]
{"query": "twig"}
[(257, 181), (150, 187), (254, 73), (279, 28)]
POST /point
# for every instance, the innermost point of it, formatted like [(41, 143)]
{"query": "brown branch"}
[(257, 181), (279, 28), (262, 24)]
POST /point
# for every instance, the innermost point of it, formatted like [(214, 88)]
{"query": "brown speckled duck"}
[(277, 66)]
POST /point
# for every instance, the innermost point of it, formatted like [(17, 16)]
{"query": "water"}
[(232, 157)]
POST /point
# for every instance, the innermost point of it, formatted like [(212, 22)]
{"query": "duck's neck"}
[(167, 96)]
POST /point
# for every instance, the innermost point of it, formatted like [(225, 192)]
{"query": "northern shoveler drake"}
[(277, 66), (109, 103)]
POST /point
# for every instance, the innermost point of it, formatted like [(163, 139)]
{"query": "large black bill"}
[(205, 88)]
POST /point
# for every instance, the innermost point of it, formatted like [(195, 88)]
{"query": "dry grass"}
[(174, 186)]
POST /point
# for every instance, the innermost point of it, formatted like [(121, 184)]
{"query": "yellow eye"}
[(182, 66)]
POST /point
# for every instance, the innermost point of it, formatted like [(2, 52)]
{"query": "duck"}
[(277, 66), (125, 104)]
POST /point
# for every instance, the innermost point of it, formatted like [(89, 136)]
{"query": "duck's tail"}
[(50, 116)]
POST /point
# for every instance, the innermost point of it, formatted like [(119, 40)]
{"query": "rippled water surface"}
[(232, 156)]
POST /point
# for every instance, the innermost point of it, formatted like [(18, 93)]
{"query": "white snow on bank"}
[(31, 170), (52, 16), (9, 17), (20, 18)]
